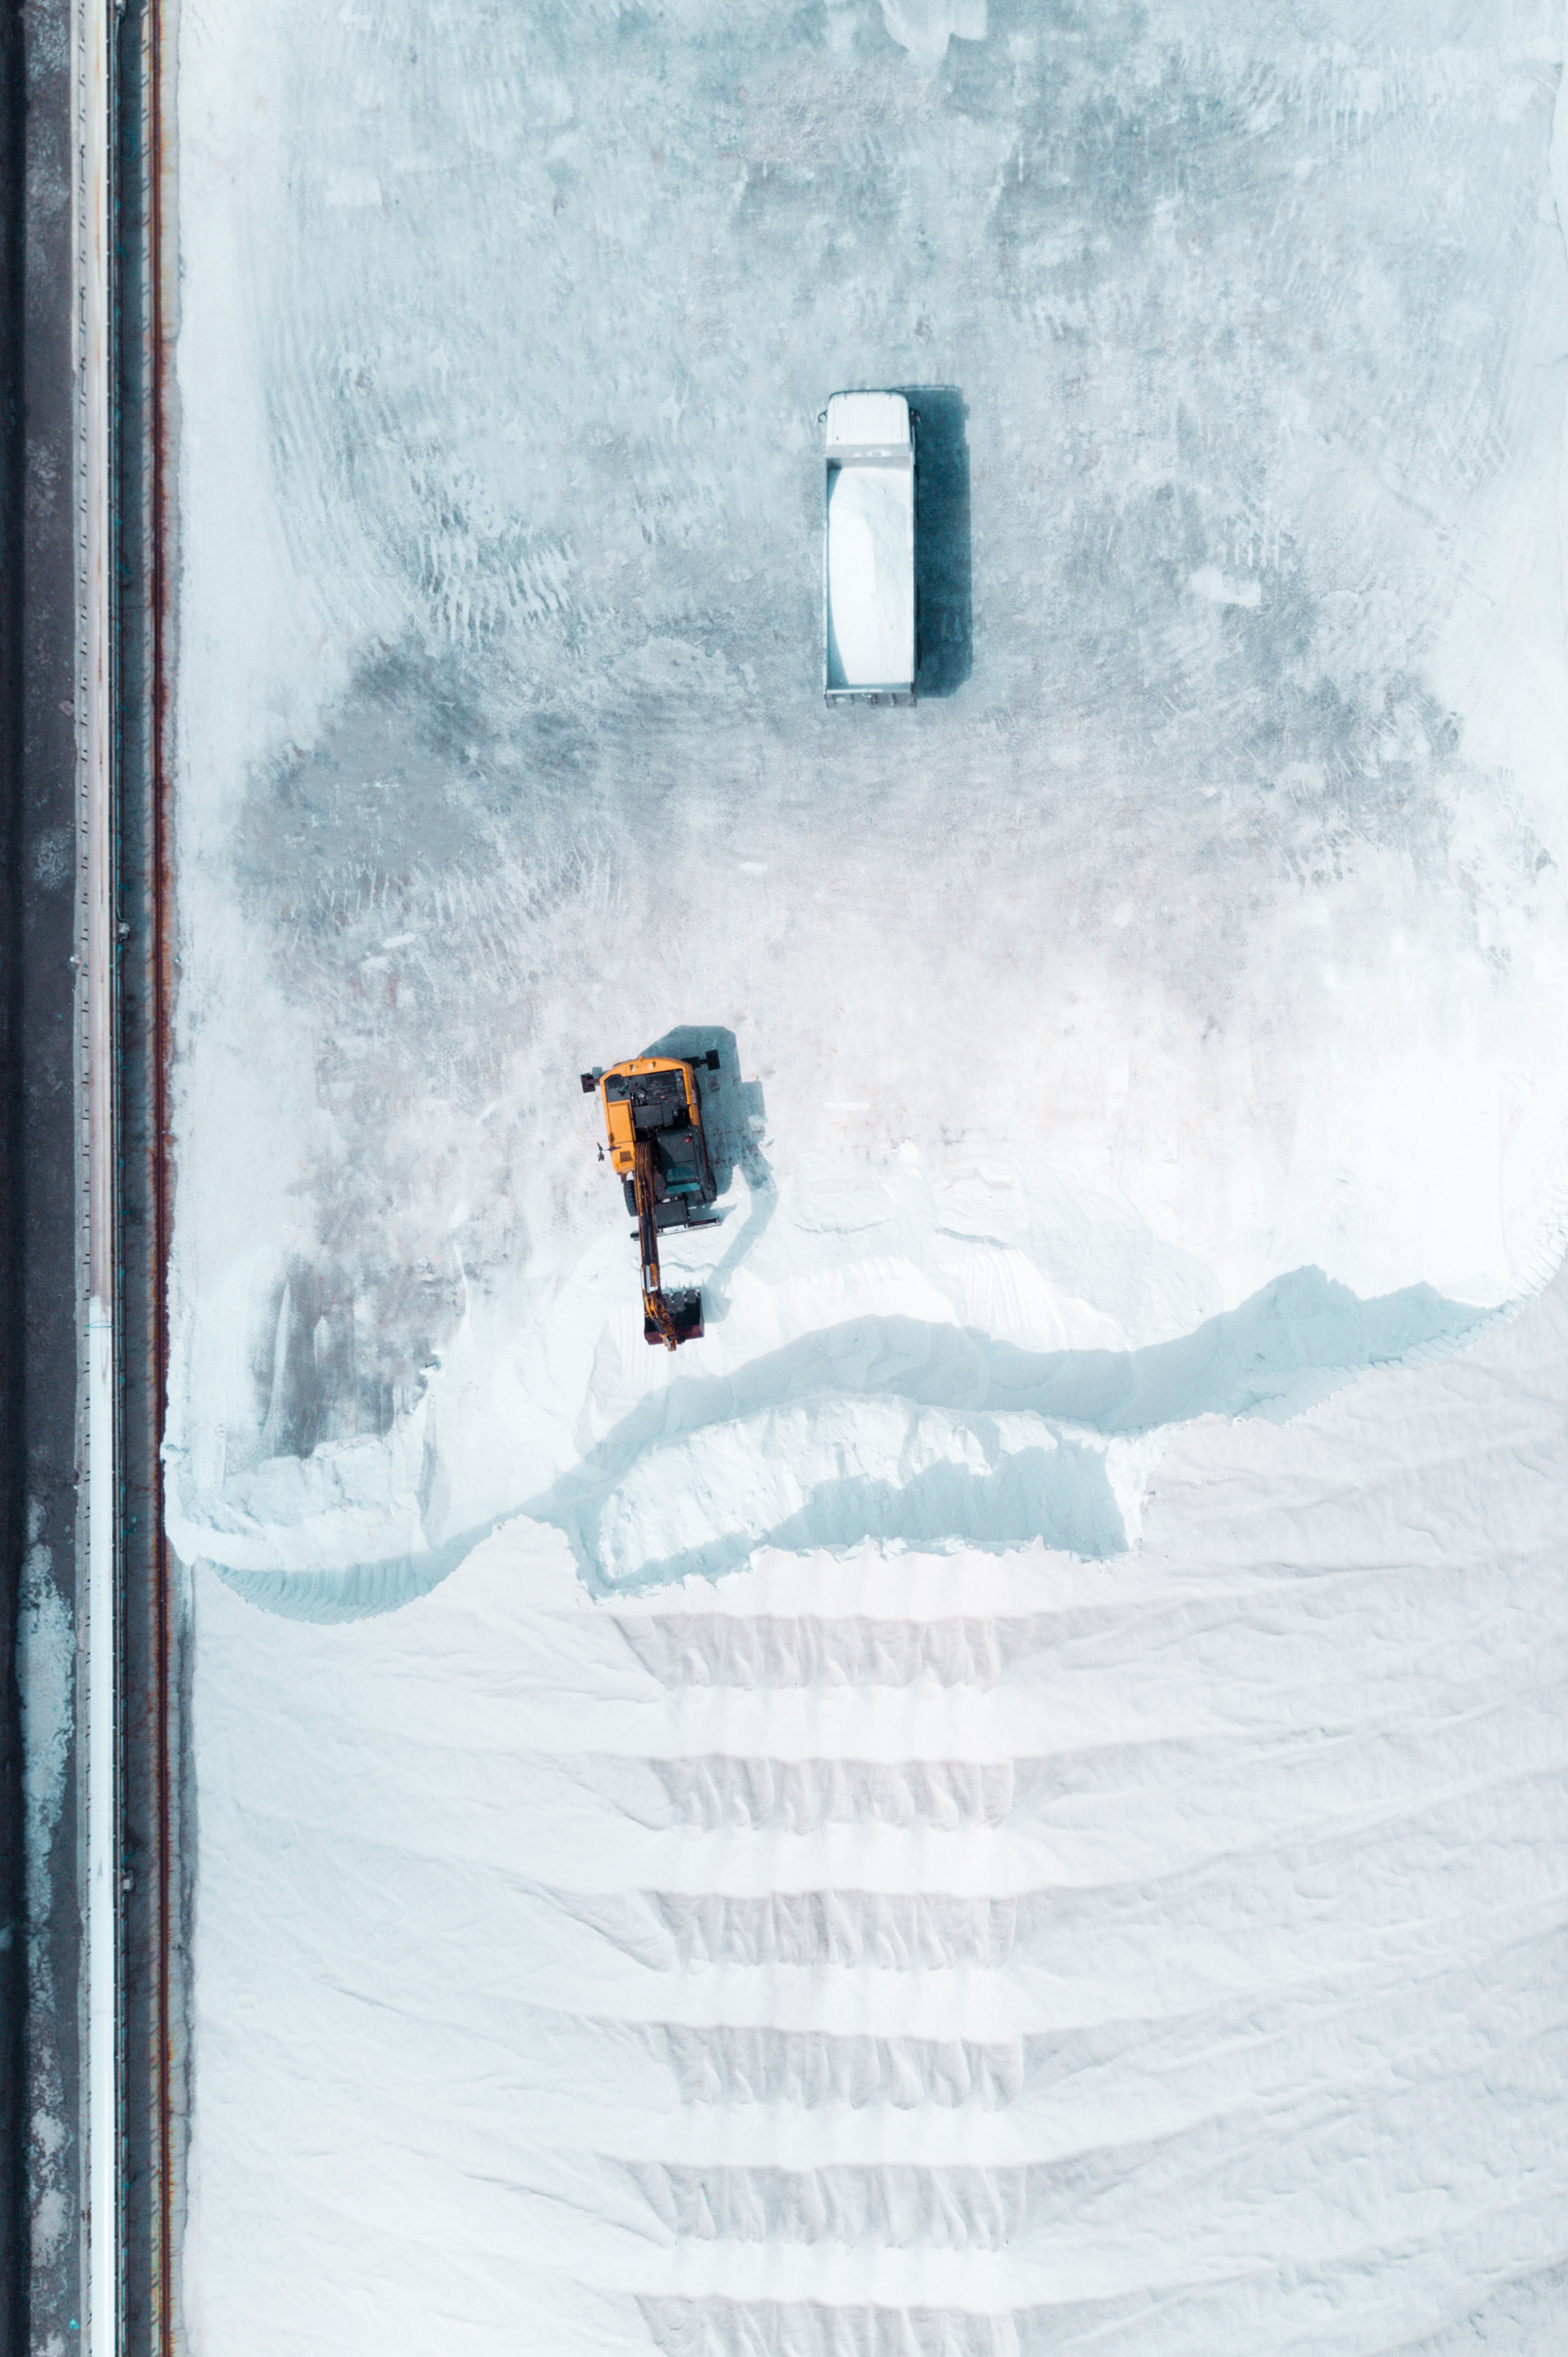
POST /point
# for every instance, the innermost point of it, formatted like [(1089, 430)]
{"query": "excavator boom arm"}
[(654, 1130), (655, 1309)]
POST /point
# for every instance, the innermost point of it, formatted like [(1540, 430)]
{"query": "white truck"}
[(868, 557)]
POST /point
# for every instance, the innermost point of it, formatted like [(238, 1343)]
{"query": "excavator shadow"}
[(733, 1111)]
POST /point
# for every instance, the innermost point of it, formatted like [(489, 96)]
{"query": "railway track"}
[(150, 1893)]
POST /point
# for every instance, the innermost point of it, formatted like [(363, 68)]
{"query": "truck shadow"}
[(942, 560)]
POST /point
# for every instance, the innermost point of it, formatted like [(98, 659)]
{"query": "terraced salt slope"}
[(980, 1953)]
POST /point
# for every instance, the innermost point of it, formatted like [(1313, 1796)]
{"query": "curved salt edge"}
[(694, 1480), (836, 1471)]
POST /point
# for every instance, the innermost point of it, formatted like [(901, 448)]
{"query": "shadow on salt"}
[(900, 1430)]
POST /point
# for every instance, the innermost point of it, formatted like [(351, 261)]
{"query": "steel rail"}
[(99, 1583), (155, 109), (152, 2028)]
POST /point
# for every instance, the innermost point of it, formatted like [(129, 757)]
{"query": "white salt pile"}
[(871, 576)]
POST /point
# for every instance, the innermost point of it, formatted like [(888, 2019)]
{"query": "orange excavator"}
[(653, 1119)]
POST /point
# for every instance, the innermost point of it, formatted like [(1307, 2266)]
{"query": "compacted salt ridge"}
[(1011, 1798)]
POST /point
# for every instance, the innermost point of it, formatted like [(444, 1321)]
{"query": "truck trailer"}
[(870, 623)]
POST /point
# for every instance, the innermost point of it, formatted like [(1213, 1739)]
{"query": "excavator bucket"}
[(683, 1311)]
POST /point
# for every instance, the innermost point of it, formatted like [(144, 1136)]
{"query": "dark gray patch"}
[(343, 1346), (415, 773)]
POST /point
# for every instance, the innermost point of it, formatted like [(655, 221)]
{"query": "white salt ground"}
[(1013, 1800), (983, 1953)]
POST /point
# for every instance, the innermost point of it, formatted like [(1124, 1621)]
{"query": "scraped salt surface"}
[(871, 576)]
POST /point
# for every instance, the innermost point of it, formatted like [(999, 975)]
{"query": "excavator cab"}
[(654, 1121)]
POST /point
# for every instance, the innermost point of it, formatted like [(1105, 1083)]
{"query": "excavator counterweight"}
[(654, 1121)]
